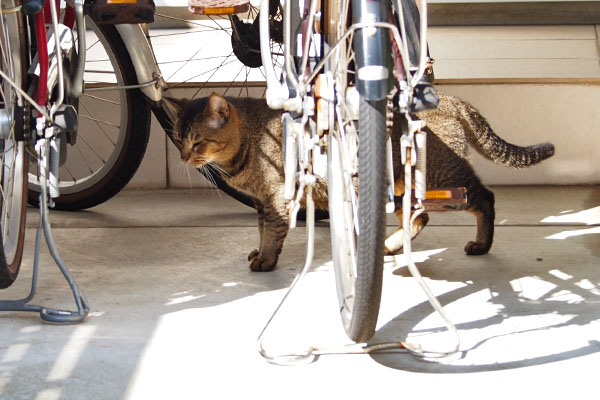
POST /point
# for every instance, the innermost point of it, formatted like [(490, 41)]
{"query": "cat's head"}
[(205, 130)]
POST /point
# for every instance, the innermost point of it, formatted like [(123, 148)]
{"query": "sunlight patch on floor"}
[(578, 232), (416, 256), (590, 217), (69, 356)]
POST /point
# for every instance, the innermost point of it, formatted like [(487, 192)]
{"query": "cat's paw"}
[(252, 255), (261, 263), (392, 251), (476, 249), (394, 244)]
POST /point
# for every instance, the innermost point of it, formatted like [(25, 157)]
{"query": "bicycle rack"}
[(55, 316)]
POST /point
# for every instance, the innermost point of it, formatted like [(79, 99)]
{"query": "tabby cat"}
[(242, 138)]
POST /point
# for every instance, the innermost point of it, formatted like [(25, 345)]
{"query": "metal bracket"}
[(55, 316)]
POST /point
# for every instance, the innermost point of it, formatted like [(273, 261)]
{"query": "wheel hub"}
[(6, 122), (246, 40), (246, 43)]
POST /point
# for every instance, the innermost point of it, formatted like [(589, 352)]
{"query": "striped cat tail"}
[(481, 136)]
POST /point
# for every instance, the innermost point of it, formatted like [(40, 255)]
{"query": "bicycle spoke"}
[(245, 84), (93, 151), (228, 31), (98, 122), (188, 22), (62, 174), (214, 72), (102, 99), (233, 80), (184, 64)]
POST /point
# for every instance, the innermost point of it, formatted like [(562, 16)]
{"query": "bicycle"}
[(139, 87), (110, 146), (50, 92), (356, 65)]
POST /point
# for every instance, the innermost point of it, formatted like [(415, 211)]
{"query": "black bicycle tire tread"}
[(7, 277), (370, 248)]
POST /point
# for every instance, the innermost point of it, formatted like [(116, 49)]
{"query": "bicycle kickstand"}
[(47, 153)]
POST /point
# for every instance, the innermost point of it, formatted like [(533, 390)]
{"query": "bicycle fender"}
[(372, 50), (142, 57)]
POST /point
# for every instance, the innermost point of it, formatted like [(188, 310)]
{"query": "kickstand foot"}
[(51, 315)]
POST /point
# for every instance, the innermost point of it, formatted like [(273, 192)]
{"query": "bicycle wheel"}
[(113, 129), (218, 53), (357, 218), (114, 125), (226, 59), (13, 173), (356, 187)]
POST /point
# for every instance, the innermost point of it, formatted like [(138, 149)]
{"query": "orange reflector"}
[(222, 11), (218, 7), (438, 194)]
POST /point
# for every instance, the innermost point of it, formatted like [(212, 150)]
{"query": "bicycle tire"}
[(371, 216), (123, 161), (13, 174), (358, 256)]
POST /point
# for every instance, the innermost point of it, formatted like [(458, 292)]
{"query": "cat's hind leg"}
[(395, 242), (482, 207)]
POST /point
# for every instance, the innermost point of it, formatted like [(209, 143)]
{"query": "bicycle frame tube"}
[(40, 35), (277, 93), (371, 47)]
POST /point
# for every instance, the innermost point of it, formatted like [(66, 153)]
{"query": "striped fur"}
[(242, 138), (450, 129)]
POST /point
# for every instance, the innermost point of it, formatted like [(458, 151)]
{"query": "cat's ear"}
[(217, 111), (174, 106)]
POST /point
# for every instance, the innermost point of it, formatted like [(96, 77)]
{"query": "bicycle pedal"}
[(120, 11), (218, 7), (440, 200)]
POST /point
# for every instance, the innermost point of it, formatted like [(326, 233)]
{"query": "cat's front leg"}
[(395, 242), (261, 225), (274, 228)]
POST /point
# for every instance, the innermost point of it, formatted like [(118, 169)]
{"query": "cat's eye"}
[(198, 146)]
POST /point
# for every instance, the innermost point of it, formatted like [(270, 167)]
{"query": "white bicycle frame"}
[(412, 148)]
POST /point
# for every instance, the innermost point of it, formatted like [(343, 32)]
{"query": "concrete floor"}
[(175, 312)]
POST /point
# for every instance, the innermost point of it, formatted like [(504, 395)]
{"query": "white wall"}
[(532, 83)]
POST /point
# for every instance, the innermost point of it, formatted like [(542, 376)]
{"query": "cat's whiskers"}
[(218, 169), (187, 171), (181, 171), (171, 124), (206, 171)]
